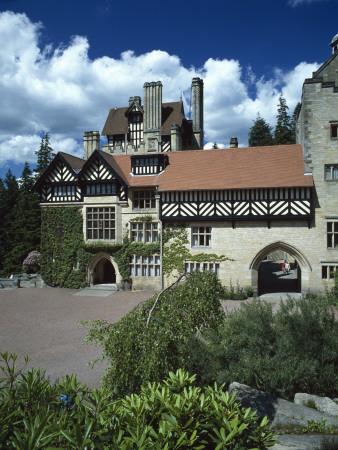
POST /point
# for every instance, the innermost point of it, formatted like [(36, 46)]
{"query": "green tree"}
[(215, 145), (9, 195), (23, 230), (44, 155), (260, 133), (284, 130)]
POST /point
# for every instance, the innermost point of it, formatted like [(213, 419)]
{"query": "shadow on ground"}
[(272, 279)]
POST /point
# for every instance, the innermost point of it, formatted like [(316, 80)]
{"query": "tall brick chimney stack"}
[(197, 110)]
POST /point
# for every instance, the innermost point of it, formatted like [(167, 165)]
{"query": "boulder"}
[(322, 404), (280, 412)]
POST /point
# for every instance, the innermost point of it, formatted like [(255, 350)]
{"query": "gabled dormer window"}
[(148, 164)]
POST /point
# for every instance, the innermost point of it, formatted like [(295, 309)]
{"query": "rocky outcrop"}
[(280, 412), (322, 404)]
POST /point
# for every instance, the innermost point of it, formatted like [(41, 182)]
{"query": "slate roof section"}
[(235, 168), (74, 162), (117, 122)]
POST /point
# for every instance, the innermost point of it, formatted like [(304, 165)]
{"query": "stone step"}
[(102, 287)]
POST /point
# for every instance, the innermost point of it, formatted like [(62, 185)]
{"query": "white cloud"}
[(294, 3), (63, 91)]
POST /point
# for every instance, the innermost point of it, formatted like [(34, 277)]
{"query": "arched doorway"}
[(268, 276), (102, 270)]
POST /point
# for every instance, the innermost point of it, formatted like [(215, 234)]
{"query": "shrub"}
[(294, 350), (32, 263), (167, 415), (237, 293), (155, 338)]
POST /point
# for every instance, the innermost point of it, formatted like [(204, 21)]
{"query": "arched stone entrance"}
[(302, 265), (102, 269)]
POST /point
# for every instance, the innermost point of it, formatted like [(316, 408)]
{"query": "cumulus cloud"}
[(62, 91)]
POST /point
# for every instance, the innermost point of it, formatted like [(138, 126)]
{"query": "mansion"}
[(244, 203)]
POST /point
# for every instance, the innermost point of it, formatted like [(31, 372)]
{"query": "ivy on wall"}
[(176, 253), (63, 247)]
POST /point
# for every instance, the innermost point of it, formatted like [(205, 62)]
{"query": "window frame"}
[(332, 234), (106, 224), (334, 130), (140, 231), (327, 271), (208, 266), (203, 235), (145, 266), (140, 198), (332, 169)]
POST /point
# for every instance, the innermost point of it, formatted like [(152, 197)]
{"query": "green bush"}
[(172, 414), (237, 293), (294, 350), (154, 339)]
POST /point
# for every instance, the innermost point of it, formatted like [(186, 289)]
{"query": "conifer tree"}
[(284, 133), (44, 155), (260, 133), (23, 231), (215, 145), (9, 195)]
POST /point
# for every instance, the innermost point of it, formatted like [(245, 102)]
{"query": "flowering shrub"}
[(32, 263)]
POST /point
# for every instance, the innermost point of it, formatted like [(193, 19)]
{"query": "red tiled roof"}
[(235, 168)]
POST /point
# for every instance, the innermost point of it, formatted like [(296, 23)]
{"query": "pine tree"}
[(260, 133), (9, 195), (284, 133), (44, 155), (215, 145), (24, 228)]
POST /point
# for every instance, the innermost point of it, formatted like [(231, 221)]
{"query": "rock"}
[(280, 412), (304, 442), (322, 404)]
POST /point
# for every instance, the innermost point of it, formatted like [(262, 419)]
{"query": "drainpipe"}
[(158, 197)]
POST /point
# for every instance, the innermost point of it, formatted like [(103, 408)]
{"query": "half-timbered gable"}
[(59, 183), (98, 178)]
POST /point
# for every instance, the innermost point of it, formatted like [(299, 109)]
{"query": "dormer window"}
[(148, 164)]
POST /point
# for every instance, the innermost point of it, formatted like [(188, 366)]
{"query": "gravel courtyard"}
[(42, 323)]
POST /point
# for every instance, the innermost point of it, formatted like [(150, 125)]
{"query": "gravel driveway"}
[(42, 323)]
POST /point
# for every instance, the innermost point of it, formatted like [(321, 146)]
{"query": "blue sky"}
[(63, 65)]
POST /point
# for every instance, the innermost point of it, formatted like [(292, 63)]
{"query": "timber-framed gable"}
[(59, 183)]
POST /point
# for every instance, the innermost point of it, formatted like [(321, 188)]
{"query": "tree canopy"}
[(260, 133), (44, 155), (284, 130)]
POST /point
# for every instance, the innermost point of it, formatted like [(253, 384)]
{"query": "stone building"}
[(153, 126), (243, 203)]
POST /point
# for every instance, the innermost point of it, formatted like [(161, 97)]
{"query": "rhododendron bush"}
[(32, 263)]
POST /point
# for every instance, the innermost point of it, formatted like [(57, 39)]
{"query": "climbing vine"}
[(176, 253), (65, 255)]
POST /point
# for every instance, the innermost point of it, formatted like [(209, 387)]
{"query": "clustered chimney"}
[(152, 105), (91, 142)]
